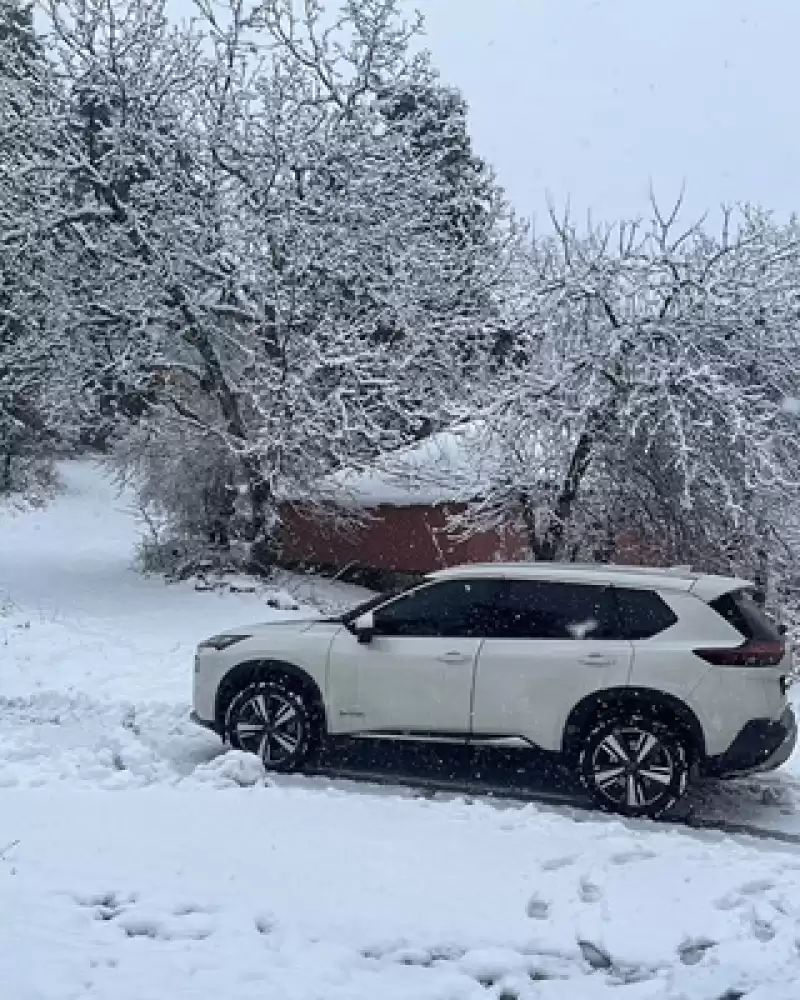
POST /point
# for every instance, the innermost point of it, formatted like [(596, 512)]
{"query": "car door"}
[(551, 645), (416, 674)]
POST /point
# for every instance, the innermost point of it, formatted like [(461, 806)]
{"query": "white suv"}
[(639, 677)]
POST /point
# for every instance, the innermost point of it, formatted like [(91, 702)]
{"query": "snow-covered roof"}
[(449, 467)]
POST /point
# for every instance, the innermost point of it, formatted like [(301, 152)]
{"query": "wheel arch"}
[(242, 674), (666, 707)]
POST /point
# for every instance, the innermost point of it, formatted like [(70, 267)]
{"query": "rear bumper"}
[(205, 723), (762, 745)]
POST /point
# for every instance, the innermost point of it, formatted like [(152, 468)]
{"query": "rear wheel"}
[(275, 720), (634, 765)]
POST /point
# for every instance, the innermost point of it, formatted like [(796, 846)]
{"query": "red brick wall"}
[(398, 539), (415, 540)]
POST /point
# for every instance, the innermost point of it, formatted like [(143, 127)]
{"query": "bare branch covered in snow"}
[(649, 382)]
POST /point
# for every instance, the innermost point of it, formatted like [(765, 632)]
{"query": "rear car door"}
[(416, 675), (551, 644)]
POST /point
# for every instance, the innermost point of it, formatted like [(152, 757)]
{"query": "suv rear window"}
[(642, 613), (739, 609)]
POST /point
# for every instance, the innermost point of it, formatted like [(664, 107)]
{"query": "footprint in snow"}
[(729, 901), (692, 952), (106, 905), (416, 957), (424, 957), (537, 909), (597, 958), (757, 886), (762, 928), (187, 909), (265, 925), (187, 921), (589, 892), (555, 864), (194, 927), (636, 854)]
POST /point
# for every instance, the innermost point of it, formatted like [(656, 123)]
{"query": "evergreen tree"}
[(18, 42), (25, 358), (434, 117)]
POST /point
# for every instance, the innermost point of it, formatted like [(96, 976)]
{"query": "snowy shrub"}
[(187, 492), (27, 479)]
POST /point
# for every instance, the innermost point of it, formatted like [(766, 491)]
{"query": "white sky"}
[(592, 99)]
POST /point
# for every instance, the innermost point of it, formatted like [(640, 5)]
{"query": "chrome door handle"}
[(453, 657)]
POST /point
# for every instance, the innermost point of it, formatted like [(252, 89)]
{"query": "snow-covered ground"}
[(138, 862)]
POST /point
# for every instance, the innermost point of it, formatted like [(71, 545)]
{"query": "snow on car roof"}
[(660, 577)]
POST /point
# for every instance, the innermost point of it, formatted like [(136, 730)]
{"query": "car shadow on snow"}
[(463, 769), (769, 801)]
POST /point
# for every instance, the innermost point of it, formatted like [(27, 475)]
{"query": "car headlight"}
[(220, 642)]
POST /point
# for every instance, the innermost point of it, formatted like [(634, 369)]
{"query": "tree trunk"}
[(548, 546), (264, 547), (220, 503), (6, 476), (761, 576)]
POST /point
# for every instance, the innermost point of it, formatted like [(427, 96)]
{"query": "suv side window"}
[(538, 609), (642, 613), (452, 608)]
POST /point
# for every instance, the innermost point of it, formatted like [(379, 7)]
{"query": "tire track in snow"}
[(52, 736), (575, 806)]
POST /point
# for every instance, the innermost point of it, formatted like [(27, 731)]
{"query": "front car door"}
[(551, 645), (416, 675)]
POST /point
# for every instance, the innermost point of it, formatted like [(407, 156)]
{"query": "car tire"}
[(276, 720), (634, 765)]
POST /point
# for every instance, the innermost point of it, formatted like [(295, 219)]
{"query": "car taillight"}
[(754, 653)]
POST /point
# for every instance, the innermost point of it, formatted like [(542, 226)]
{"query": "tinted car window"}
[(642, 614), (740, 610), (532, 609), (376, 601), (453, 608)]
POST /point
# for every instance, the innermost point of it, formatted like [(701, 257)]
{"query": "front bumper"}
[(762, 745)]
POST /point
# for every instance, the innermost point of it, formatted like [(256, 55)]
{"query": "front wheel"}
[(634, 765), (274, 720)]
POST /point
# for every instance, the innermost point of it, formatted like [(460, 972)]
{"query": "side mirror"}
[(363, 628)]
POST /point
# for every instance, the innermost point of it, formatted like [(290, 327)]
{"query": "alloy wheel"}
[(631, 768), (269, 724)]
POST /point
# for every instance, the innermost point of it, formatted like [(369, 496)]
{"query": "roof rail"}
[(684, 570), (677, 571)]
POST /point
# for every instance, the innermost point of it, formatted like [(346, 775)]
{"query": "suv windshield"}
[(378, 599)]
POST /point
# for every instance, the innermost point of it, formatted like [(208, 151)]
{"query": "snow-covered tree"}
[(646, 389), (252, 251), (257, 248), (28, 368)]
